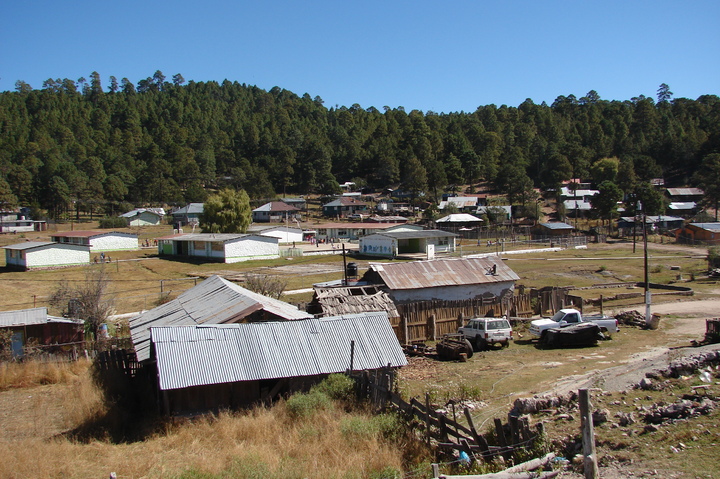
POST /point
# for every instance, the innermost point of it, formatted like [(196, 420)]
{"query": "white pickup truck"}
[(568, 317)]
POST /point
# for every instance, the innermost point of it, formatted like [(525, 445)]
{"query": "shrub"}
[(338, 387), (112, 222), (305, 404)]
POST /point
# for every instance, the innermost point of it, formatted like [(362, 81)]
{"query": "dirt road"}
[(688, 323)]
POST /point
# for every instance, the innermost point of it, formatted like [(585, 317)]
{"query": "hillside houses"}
[(275, 211)]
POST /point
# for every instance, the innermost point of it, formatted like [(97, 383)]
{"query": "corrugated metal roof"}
[(214, 301), (29, 317), (685, 191), (29, 245), (445, 272), (557, 226), (354, 299), (459, 218), (89, 234), (706, 226), (416, 234), (213, 237), (201, 355)]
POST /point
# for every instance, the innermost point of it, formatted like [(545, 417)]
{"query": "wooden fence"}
[(429, 320), (444, 432)]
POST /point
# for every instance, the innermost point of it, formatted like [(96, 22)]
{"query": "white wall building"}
[(223, 247), (45, 254), (99, 240), (144, 216), (284, 233)]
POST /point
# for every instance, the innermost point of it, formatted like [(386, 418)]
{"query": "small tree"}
[(88, 300), (227, 212), (271, 286)]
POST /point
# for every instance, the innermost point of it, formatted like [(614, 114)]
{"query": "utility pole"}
[(647, 278)]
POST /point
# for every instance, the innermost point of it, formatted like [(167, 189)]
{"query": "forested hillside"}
[(104, 147)]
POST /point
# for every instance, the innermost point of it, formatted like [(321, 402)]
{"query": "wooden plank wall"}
[(429, 320)]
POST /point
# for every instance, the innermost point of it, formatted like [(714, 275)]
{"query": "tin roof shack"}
[(707, 233), (19, 222), (394, 243), (221, 247), (202, 368), (144, 216), (214, 301), (447, 279), (36, 326), (45, 254), (335, 300), (655, 224), (98, 240)]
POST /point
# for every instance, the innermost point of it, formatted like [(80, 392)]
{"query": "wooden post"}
[(432, 330), (479, 439), (601, 305), (404, 328), (588, 435), (427, 416), (352, 355), (435, 471)]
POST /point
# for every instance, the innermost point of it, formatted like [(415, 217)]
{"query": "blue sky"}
[(425, 55)]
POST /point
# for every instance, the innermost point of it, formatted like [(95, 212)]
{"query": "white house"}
[(393, 243), (144, 216), (222, 247), (98, 240), (45, 254), (284, 233)]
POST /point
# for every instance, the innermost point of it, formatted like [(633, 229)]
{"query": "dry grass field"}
[(42, 405)]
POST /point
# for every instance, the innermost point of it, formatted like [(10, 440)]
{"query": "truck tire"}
[(468, 349), (480, 343)]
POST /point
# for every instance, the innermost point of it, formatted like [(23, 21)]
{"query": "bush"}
[(338, 387), (112, 222), (306, 404)]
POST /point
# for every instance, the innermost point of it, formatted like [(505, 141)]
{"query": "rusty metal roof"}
[(214, 301), (354, 299), (215, 354), (443, 272)]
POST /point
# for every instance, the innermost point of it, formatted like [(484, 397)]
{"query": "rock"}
[(600, 416)]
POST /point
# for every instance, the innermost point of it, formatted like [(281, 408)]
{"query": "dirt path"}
[(688, 322)]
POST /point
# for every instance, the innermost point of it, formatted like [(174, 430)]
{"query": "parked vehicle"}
[(485, 332), (569, 317), (575, 335)]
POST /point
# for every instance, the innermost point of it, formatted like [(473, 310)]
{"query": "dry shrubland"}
[(307, 435)]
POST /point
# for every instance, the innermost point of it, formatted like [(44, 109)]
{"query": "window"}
[(215, 246)]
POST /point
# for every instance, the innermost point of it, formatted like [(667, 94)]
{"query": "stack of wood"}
[(631, 318)]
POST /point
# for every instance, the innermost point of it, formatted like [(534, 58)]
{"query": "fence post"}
[(588, 435)]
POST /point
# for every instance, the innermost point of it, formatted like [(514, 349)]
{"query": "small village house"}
[(36, 326), (275, 211), (144, 216), (343, 207), (45, 254), (456, 221), (390, 244), (552, 229), (99, 240), (354, 231), (19, 222), (699, 233), (188, 215), (221, 247), (446, 279)]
